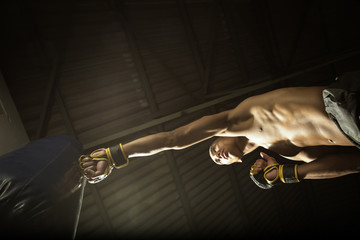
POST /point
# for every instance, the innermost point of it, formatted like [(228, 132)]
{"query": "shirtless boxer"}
[(293, 122)]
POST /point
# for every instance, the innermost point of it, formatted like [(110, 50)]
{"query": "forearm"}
[(180, 138), (330, 166), (148, 145)]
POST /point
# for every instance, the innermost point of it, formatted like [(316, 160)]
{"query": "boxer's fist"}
[(262, 163)]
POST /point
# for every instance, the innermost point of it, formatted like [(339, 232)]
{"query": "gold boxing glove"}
[(286, 173), (114, 156)]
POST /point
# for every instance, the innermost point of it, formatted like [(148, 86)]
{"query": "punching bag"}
[(41, 189)]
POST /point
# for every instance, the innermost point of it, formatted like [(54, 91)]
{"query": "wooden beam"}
[(49, 54), (191, 36), (298, 35), (65, 114), (135, 36), (235, 39), (325, 35), (271, 46), (102, 211), (186, 205), (209, 60), (48, 99), (135, 50)]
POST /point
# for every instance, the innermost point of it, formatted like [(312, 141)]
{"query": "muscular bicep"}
[(200, 130), (331, 166), (179, 138), (309, 154)]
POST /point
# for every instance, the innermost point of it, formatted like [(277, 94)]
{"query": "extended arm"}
[(179, 138), (182, 137), (326, 166), (331, 166)]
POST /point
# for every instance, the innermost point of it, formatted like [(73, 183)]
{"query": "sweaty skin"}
[(294, 116), (289, 121)]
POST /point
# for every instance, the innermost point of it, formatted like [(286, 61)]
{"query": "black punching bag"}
[(41, 189)]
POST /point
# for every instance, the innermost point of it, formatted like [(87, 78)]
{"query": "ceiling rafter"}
[(300, 30), (136, 35), (235, 39), (48, 100), (271, 47), (188, 212), (134, 47), (209, 59), (53, 93), (191, 37)]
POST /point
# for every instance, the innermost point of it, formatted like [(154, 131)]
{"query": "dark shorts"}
[(342, 104)]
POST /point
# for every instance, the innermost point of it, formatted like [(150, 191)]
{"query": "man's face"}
[(228, 150)]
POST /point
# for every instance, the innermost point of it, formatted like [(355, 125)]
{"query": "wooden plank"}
[(48, 99)]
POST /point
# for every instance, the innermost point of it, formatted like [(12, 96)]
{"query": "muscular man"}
[(315, 125)]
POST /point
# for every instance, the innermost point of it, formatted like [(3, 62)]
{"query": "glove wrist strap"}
[(114, 156), (287, 173), (117, 156)]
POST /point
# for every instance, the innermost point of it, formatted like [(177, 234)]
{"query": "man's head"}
[(228, 150)]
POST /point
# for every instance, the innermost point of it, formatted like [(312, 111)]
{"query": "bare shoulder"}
[(293, 95), (263, 104), (277, 95), (294, 91)]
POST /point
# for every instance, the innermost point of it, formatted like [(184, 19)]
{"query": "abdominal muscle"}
[(301, 133), (292, 115), (303, 126)]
